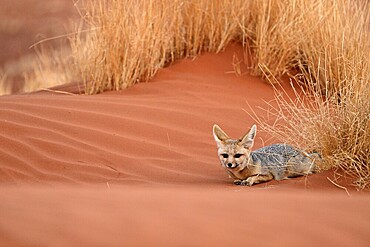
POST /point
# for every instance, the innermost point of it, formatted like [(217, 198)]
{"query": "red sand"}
[(139, 167)]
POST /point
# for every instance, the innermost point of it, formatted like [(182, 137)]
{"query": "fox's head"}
[(234, 154)]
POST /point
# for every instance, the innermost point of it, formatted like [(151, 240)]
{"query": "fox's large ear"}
[(219, 135), (248, 139)]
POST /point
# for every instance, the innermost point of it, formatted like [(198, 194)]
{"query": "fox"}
[(277, 161)]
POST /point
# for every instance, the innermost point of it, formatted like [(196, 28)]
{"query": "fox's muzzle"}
[(230, 165)]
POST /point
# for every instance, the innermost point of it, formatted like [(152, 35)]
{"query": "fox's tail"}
[(316, 158)]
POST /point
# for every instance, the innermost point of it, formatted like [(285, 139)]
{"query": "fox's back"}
[(277, 154), (282, 161)]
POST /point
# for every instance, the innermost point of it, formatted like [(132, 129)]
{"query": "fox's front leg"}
[(258, 179), (249, 181)]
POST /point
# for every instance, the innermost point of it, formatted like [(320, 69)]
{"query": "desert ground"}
[(138, 167)]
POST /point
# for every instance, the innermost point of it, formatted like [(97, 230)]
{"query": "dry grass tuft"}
[(4, 87), (132, 40), (340, 132), (333, 114), (52, 67)]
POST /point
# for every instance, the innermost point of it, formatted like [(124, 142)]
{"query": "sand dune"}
[(153, 130), (139, 167)]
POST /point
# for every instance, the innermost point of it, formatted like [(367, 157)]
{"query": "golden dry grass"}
[(52, 67), (4, 87), (322, 44), (131, 40), (333, 115), (340, 132)]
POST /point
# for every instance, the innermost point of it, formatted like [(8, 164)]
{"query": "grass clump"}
[(4, 87), (52, 67), (330, 58), (132, 40), (340, 132)]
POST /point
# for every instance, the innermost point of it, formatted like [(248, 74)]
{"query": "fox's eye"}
[(238, 155), (225, 156)]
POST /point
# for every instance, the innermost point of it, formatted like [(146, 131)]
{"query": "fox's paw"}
[(250, 181), (238, 182), (242, 182)]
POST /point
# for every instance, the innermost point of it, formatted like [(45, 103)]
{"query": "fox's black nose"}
[(229, 165)]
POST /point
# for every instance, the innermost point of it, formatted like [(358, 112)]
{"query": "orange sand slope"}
[(147, 161), (157, 132)]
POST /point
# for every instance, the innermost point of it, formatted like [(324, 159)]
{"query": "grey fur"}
[(283, 161)]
